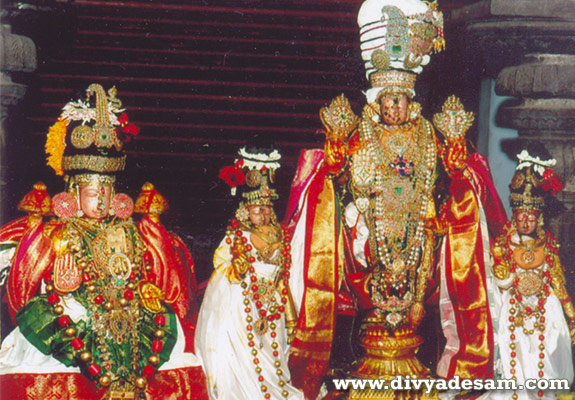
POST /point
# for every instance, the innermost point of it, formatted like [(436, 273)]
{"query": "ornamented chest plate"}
[(113, 249), (529, 283)]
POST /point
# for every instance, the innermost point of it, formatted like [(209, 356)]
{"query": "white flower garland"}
[(81, 111), (526, 160)]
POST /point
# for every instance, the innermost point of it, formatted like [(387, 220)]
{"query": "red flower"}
[(129, 130), (123, 119), (132, 129), (551, 182), (233, 176), (94, 369), (157, 346), (77, 343)]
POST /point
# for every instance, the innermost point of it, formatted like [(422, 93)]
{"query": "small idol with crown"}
[(536, 318), (98, 299), (247, 316)]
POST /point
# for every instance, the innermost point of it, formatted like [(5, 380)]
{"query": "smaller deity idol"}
[(533, 336), (98, 299), (247, 316)]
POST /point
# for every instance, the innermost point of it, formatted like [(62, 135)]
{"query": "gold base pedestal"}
[(389, 356)]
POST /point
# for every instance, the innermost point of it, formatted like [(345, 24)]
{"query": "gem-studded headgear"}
[(397, 38), (253, 172), (88, 137), (533, 182)]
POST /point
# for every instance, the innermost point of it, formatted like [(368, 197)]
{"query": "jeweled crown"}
[(89, 135), (397, 39)]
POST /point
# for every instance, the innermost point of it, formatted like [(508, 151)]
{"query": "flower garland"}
[(107, 296), (539, 284), (259, 293)]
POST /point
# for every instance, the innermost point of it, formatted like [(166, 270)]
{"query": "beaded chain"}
[(397, 263), (258, 294), (416, 241), (520, 311), (105, 296)]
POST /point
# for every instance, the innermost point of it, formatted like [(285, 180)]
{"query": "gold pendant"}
[(121, 395), (528, 257), (120, 267), (397, 266), (261, 326)]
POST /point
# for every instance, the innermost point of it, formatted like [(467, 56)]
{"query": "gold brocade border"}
[(94, 163), (322, 249), (312, 354), (173, 384), (315, 335), (28, 267)]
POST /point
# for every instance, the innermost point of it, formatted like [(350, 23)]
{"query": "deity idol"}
[(535, 317), (385, 164), (369, 201), (247, 316), (99, 300)]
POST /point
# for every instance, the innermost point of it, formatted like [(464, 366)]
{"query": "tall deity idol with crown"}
[(391, 171), (383, 166), (99, 299)]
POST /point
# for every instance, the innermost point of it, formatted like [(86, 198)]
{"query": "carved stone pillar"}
[(545, 87), (529, 48), (18, 54)]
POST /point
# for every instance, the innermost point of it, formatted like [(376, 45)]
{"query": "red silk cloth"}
[(470, 190), (32, 259), (311, 348), (13, 231), (175, 384), (173, 267)]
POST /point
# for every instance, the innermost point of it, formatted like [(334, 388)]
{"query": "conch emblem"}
[(339, 121), (453, 121)]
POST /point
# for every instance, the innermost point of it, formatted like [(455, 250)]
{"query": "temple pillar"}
[(544, 85), (18, 54), (529, 50)]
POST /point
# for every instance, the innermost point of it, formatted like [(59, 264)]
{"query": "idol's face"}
[(260, 215), (526, 221), (393, 108), (95, 200)]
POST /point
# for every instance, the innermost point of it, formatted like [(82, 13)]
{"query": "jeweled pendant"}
[(261, 326)]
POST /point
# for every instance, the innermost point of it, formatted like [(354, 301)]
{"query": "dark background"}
[(201, 79)]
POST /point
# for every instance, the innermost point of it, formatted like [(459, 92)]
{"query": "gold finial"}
[(150, 202), (37, 201)]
